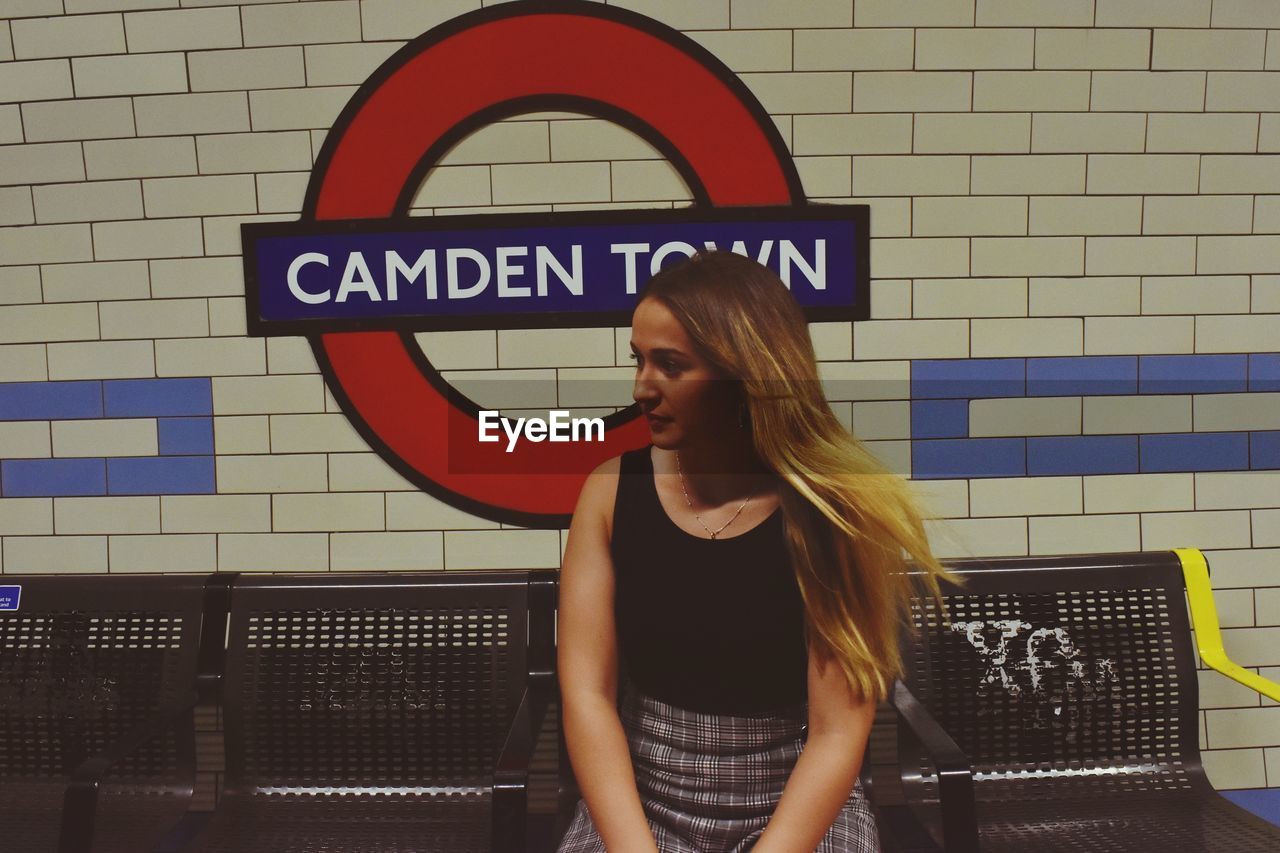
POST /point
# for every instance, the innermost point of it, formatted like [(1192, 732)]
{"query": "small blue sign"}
[(522, 271), (10, 596)]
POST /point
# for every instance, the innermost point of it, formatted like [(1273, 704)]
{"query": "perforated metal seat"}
[(1070, 685), (381, 713), (87, 663)]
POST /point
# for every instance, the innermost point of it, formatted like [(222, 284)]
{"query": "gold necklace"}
[(715, 532)]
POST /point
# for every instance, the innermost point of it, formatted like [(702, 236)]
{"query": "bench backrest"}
[(372, 683), (84, 660), (1064, 673)]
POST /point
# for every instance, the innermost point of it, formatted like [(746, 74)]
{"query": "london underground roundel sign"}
[(470, 71)]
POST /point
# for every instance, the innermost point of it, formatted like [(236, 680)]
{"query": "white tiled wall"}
[(1046, 177)]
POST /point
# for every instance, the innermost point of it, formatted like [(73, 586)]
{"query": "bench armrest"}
[(955, 775), (511, 773), (80, 801), (1204, 618)]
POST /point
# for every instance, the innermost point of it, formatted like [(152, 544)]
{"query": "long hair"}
[(849, 519)]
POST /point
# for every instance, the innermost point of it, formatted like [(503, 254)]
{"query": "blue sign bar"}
[(10, 597), (558, 270)]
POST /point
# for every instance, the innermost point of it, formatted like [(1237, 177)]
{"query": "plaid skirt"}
[(709, 782)]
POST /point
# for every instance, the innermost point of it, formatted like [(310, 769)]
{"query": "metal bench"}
[(383, 712), (1057, 710), (97, 686)]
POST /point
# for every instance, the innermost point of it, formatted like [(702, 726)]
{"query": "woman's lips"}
[(657, 419)]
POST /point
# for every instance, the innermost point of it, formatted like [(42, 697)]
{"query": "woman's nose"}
[(643, 388)]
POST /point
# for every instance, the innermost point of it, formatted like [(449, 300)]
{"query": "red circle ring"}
[(514, 58)]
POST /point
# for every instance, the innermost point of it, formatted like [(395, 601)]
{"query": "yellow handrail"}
[(1204, 617)]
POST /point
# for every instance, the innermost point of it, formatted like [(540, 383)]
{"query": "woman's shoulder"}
[(600, 490)]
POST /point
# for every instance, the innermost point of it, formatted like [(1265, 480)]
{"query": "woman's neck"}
[(719, 472)]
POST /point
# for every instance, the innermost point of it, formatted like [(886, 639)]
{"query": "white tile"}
[(249, 395), (1062, 534), (294, 109), (1024, 416), (273, 552), (907, 339), (1237, 489), (1092, 48), (202, 112), (315, 433), (364, 472), (242, 434), (1125, 415), (37, 80), (283, 473), (328, 512), (386, 552), (209, 195), (151, 238), (140, 158), (25, 440), (1138, 334), (1115, 493), (38, 164), (912, 91), (975, 537), (215, 513), (155, 319), (1082, 215), (210, 356), (78, 516), (969, 297), (301, 23), (1201, 529), (996, 337), (145, 74), (197, 277), (105, 437), (21, 324), (1078, 297), (880, 49), (255, 68), (89, 202), (1218, 412), (1011, 496), (166, 553), (55, 554), (23, 363), (102, 360), (78, 35), (185, 29), (26, 516), (501, 549)]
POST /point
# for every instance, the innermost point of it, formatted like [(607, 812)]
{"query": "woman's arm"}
[(828, 767), (587, 658)]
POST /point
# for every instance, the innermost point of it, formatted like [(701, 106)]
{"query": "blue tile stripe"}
[(182, 409), (941, 390)]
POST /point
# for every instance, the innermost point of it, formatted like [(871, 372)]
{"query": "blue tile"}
[(142, 398), (185, 436), (1264, 449), (160, 475), (968, 377), (41, 478), (1264, 802), (1082, 454), (1264, 371), (50, 401), (1192, 374), (1069, 376), (968, 457), (1195, 451), (939, 418)]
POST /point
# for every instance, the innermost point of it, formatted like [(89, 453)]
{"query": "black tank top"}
[(712, 625)]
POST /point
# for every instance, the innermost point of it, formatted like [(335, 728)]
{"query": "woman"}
[(744, 571)]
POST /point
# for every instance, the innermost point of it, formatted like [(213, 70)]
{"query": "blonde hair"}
[(849, 519)]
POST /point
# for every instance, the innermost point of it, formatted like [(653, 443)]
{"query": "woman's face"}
[(686, 399)]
